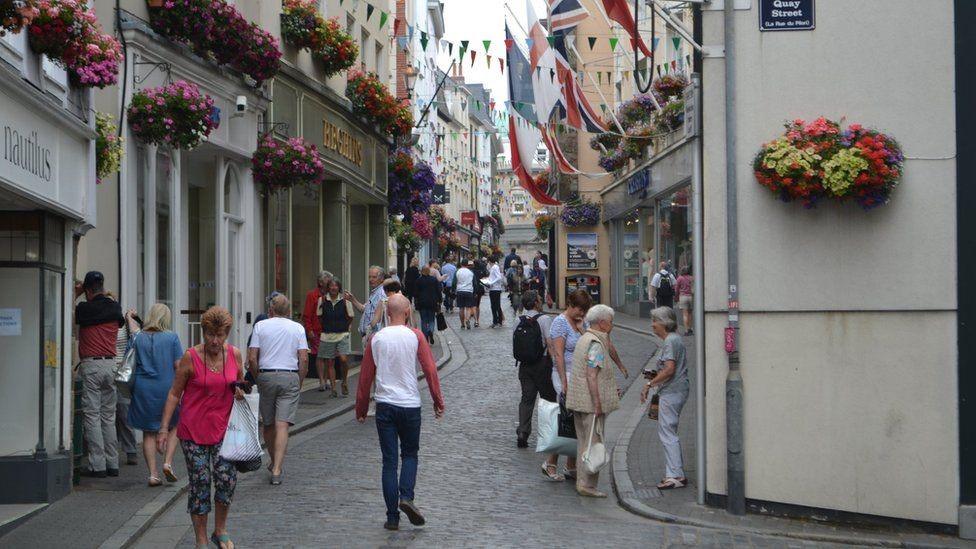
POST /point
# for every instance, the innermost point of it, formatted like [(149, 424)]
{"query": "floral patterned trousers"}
[(202, 462)]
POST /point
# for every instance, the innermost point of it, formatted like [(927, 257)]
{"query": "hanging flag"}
[(619, 11), (613, 44), (488, 59), (658, 71), (508, 43), (410, 32), (402, 42), (676, 41), (396, 26), (528, 43), (473, 52), (486, 44), (674, 65), (383, 17), (599, 77), (463, 48), (501, 65), (423, 40), (655, 42), (450, 48), (592, 41), (369, 11), (564, 16)]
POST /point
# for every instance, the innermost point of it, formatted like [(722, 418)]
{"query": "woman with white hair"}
[(672, 378), (158, 353), (592, 391)]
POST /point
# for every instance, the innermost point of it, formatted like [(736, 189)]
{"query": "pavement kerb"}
[(623, 488), (130, 532)]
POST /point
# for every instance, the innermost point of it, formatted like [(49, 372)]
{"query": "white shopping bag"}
[(549, 441), (241, 441)]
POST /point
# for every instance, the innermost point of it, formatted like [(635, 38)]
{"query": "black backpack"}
[(527, 343), (665, 291)]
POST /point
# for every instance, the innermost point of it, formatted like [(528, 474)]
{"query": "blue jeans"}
[(395, 423), (427, 324)]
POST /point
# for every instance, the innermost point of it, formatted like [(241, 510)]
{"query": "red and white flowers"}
[(68, 32)]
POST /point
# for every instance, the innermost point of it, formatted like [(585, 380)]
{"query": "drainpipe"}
[(735, 458)]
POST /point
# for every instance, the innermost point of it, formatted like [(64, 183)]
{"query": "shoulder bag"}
[(595, 457), (126, 370)]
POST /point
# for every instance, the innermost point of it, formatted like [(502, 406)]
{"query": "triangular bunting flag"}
[(501, 64), (666, 67), (552, 41), (603, 107), (613, 44), (402, 42), (599, 77), (396, 26), (528, 43), (464, 48), (423, 40), (369, 11), (658, 71), (383, 17), (609, 77), (473, 52), (486, 44), (552, 75), (340, 2), (450, 48), (676, 41), (509, 43), (488, 58), (674, 65), (592, 41), (654, 44), (688, 61), (410, 32)]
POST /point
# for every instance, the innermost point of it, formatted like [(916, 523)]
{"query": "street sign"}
[(786, 15)]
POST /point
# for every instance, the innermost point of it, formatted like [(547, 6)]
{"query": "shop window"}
[(20, 237), (363, 40), (674, 229), (284, 110), (306, 236), (380, 65)]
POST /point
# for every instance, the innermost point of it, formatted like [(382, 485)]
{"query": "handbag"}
[(567, 425), (242, 445), (549, 441), (595, 457), (441, 322), (125, 371)]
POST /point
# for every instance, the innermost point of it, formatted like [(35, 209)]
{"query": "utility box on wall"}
[(590, 283)]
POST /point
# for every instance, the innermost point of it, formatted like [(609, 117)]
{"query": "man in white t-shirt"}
[(278, 358), (391, 359), (663, 285)]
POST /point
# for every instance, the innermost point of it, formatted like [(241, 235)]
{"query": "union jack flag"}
[(564, 15)]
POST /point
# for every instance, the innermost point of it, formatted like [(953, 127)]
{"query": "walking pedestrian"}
[(410, 278), (685, 287), (336, 316), (480, 272), (447, 279), (539, 270), (278, 359), (512, 256), (514, 280), (672, 378), (313, 327), (496, 285), (427, 301), (593, 392), (663, 284), (205, 387), (535, 378), (158, 354), (390, 358), (565, 331), (464, 284), (376, 276), (99, 318), (126, 434)]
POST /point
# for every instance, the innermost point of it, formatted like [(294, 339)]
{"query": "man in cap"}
[(98, 318)]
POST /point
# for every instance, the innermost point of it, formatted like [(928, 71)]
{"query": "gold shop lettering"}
[(342, 142)]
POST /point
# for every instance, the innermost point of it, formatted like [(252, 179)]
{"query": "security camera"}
[(241, 103)]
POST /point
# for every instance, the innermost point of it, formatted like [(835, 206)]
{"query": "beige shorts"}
[(333, 349), (279, 396), (684, 302)]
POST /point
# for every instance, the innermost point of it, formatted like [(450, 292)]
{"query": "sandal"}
[(670, 484), (221, 539), (168, 473), (154, 482), (551, 472), (570, 473)]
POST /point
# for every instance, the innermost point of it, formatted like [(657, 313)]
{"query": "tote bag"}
[(242, 445), (549, 441)]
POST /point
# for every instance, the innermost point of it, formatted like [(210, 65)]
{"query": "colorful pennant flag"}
[(509, 43), (613, 43), (369, 11), (592, 41), (423, 40), (486, 44), (676, 41), (383, 17)]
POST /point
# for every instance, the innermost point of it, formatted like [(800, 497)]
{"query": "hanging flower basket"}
[(442, 223), (280, 165), (57, 25), (177, 115), (580, 212), (421, 226), (372, 100), (215, 28), (543, 225), (448, 242), (334, 47), (671, 86), (16, 14), (108, 147), (820, 160), (300, 20), (642, 123), (93, 61), (410, 185), (406, 239)]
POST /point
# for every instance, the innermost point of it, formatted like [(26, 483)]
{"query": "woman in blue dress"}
[(158, 351)]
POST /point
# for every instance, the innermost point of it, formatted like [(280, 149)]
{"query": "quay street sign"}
[(786, 15)]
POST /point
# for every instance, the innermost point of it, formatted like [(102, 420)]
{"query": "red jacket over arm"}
[(367, 374)]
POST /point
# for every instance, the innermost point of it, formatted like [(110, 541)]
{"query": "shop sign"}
[(786, 15), (441, 194), (29, 149), (581, 251), (639, 182), (469, 218), (342, 143)]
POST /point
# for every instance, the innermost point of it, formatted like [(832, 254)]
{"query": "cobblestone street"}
[(475, 487)]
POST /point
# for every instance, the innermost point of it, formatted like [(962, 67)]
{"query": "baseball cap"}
[(93, 279)]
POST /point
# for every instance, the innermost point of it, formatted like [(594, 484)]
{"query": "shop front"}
[(649, 211), (340, 226), (47, 202)]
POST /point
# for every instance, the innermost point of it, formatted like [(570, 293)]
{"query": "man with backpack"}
[(530, 345), (664, 284)]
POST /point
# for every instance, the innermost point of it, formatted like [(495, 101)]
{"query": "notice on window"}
[(10, 322), (784, 15), (581, 250)]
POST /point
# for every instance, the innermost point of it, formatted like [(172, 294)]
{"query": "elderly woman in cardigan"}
[(592, 390)]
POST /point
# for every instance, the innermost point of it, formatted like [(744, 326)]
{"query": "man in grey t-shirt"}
[(672, 377)]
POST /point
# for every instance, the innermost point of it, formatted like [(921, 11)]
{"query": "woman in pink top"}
[(684, 287), (204, 387)]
